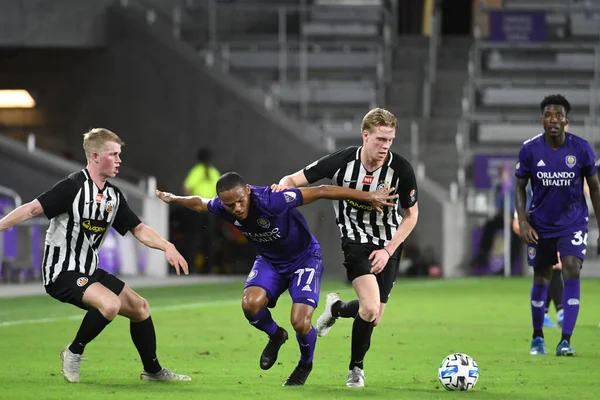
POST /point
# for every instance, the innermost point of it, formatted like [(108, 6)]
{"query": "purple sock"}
[(538, 300), (570, 302), (263, 321), (307, 346)]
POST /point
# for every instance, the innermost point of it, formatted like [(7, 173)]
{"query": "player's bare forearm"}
[(521, 198), (594, 187), (411, 216), (20, 214), (310, 194), (295, 180), (196, 203), (149, 237)]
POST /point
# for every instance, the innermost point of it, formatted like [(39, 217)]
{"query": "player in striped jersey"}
[(82, 208), (372, 243), (289, 257)]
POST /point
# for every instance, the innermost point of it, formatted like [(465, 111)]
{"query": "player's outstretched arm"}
[(378, 199), (195, 203), (295, 180), (151, 238), (20, 214)]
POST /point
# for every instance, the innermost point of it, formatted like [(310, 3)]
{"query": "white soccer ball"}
[(458, 372)]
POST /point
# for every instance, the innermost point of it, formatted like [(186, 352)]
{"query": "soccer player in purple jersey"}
[(289, 256), (556, 162)]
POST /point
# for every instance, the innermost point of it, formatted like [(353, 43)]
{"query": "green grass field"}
[(202, 332)]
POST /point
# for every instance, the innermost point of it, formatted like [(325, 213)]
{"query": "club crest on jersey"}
[(570, 161), (382, 184), (82, 281), (531, 252), (368, 179), (252, 274), (109, 206), (263, 222)]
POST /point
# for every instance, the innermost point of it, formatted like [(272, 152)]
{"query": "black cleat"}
[(271, 351), (299, 376)]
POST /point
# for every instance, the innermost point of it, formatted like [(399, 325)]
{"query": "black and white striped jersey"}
[(359, 222), (80, 216)]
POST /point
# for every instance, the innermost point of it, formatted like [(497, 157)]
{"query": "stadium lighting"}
[(17, 98)]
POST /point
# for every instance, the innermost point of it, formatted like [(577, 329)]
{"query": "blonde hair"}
[(95, 139), (378, 117)]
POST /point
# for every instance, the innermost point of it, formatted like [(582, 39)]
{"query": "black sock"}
[(93, 323), (361, 341), (144, 338), (538, 333), (556, 289), (345, 309), (565, 337)]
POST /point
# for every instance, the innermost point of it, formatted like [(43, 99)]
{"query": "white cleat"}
[(326, 320), (356, 378), (163, 375), (71, 363)]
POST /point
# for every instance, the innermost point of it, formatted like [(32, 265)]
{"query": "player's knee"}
[(301, 324), (251, 305), (571, 269), (109, 307), (141, 309), (369, 312)]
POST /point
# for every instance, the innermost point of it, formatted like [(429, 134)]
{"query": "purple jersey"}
[(274, 226), (558, 204)]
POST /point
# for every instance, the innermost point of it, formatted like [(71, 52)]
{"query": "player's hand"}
[(382, 198), (176, 259), (165, 196), (527, 233), (277, 187), (379, 259)]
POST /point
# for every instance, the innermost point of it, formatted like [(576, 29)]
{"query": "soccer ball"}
[(458, 372)]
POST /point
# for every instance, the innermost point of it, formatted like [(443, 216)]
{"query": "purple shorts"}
[(543, 254), (303, 281)]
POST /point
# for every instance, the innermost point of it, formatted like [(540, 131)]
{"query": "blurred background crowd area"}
[(201, 87)]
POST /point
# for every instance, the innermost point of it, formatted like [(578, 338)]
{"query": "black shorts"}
[(70, 286), (357, 263)]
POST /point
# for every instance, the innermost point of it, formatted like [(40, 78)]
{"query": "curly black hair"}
[(556, 100)]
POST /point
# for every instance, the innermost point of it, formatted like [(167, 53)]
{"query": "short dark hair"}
[(556, 100), (229, 181)]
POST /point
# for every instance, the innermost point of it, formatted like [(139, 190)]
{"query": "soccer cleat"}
[(538, 347), (271, 351), (299, 375), (163, 375), (564, 349), (71, 363), (560, 316), (356, 378), (548, 322), (326, 320)]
